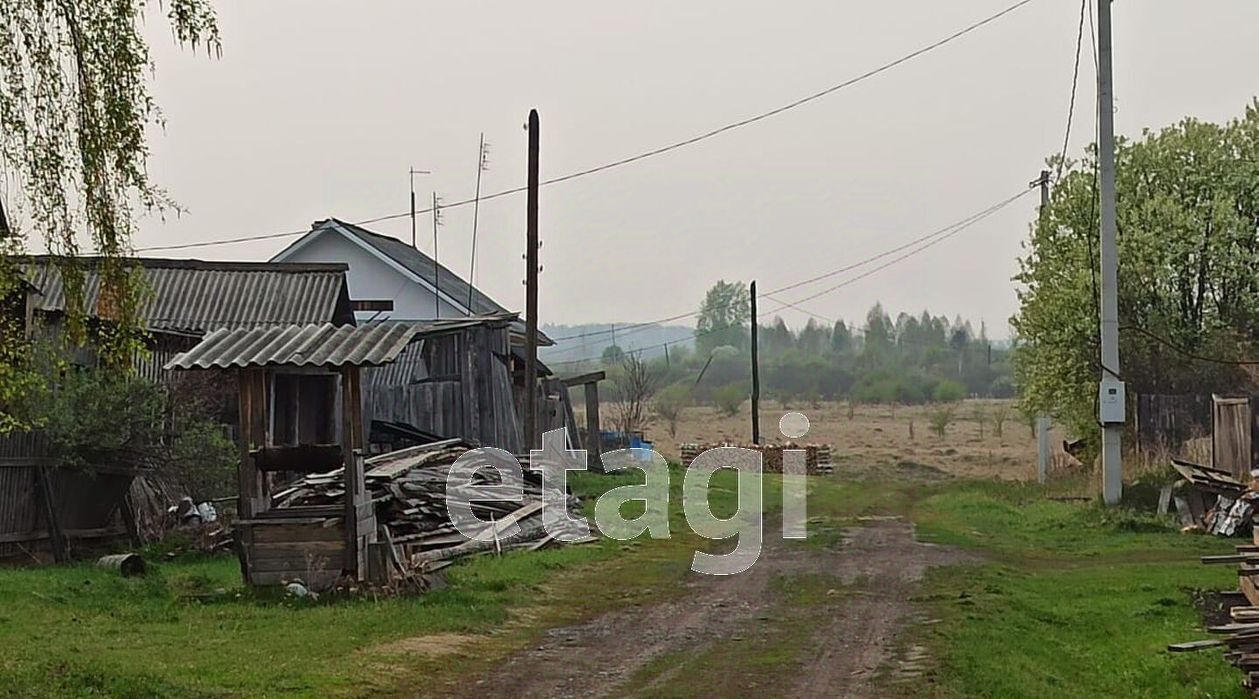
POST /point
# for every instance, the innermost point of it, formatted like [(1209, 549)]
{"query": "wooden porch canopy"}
[(301, 411)]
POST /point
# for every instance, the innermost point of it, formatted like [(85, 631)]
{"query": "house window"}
[(305, 409)]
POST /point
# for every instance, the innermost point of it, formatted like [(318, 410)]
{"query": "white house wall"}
[(370, 278)]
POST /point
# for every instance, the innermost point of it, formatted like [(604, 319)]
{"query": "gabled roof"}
[(413, 263), (198, 296)]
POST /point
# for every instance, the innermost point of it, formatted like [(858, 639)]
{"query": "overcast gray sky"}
[(318, 108)]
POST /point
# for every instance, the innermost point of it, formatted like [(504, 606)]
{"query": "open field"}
[(1011, 595), (879, 434)]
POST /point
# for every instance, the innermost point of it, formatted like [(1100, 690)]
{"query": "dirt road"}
[(808, 620)]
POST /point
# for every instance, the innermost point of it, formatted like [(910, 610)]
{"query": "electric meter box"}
[(1111, 401)]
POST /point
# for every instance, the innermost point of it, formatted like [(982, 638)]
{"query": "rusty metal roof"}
[(198, 296), (371, 344)]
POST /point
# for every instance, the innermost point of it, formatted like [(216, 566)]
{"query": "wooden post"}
[(1042, 448), (352, 455), (253, 431), (531, 289), (44, 485), (594, 440), (756, 375)]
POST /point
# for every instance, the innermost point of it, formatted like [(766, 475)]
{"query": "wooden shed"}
[(301, 412)]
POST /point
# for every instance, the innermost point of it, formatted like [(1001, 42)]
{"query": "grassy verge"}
[(190, 629), (1072, 600)]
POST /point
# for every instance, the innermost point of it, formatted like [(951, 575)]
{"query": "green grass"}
[(72, 631), (1072, 600)]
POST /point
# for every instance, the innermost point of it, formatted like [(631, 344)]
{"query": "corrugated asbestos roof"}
[(298, 345), (371, 344), (198, 296)]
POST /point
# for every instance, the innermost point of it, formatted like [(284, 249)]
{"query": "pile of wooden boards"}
[(1240, 637), (817, 456), (1210, 500), (408, 488)]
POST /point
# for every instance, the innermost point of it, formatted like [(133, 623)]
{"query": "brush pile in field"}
[(817, 456), (408, 488)]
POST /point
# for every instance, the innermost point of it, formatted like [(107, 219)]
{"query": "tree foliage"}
[(723, 317), (74, 110), (1188, 213)]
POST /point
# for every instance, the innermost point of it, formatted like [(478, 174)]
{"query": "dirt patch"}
[(1213, 606), (764, 631), (431, 646), (858, 645)]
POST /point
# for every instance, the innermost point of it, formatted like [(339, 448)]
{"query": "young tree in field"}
[(940, 419), (634, 384), (1000, 414), (1189, 272), (74, 109), (723, 317), (669, 404)]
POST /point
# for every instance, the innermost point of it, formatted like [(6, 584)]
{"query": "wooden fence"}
[(45, 509)]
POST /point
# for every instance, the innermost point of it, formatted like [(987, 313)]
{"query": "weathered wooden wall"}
[(456, 385)]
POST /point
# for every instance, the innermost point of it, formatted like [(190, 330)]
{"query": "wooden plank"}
[(1190, 646), (297, 566), (584, 379), (1230, 558), (272, 533), (301, 548)]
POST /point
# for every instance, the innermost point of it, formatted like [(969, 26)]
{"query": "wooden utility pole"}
[(413, 172), (1111, 401), (756, 374), (531, 289), (437, 280)]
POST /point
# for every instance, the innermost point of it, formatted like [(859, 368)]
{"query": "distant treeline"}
[(910, 359)]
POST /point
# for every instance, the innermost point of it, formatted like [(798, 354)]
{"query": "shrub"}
[(941, 418), (948, 391), (668, 406), (729, 398)]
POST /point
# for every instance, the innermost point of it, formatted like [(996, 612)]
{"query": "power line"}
[(1187, 353), (958, 228), (1075, 83), (655, 151), (955, 229), (941, 233)]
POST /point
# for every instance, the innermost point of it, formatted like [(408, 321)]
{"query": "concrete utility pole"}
[(1042, 421), (531, 289), (756, 374), (1111, 399)]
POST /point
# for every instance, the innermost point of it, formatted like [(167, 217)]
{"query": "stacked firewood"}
[(409, 490), (817, 456)]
